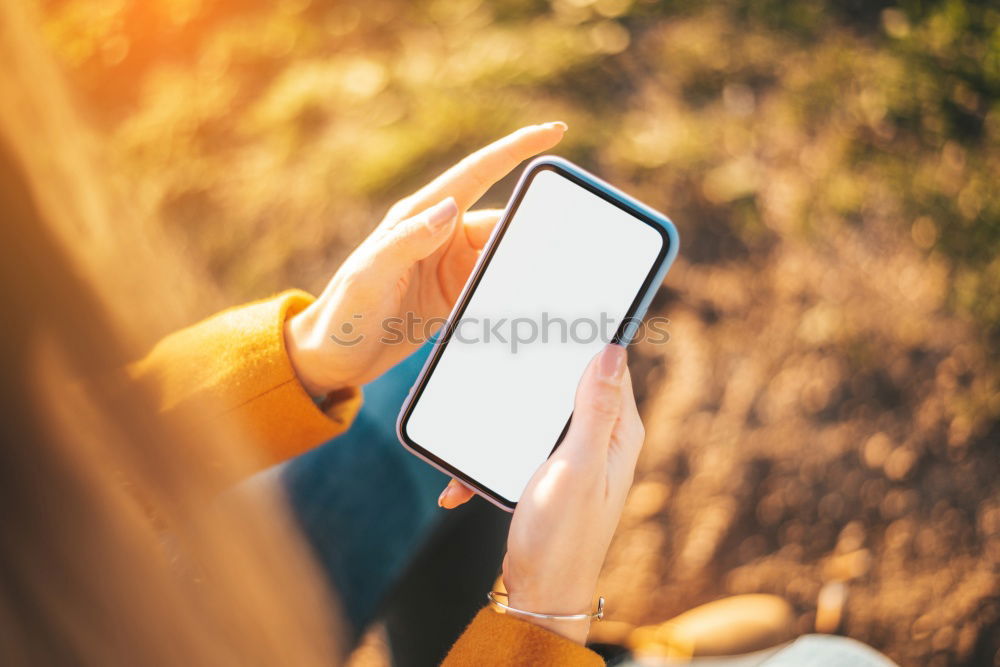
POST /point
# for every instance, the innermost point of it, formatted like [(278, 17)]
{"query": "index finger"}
[(469, 180)]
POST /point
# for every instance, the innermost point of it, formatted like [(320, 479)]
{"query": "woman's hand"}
[(413, 265), (565, 519)]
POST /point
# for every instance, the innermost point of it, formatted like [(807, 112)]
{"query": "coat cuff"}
[(500, 640), (234, 365)]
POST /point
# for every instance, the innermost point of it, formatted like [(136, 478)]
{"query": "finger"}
[(629, 410), (598, 403), (479, 225), (468, 180), (417, 237), (629, 432), (454, 494)]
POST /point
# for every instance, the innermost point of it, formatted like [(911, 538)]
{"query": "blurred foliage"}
[(746, 120), (832, 167)]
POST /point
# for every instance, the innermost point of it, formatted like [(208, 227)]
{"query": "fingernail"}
[(556, 123), (441, 214), (446, 494), (612, 363)]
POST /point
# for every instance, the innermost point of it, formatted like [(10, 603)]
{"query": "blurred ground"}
[(824, 422)]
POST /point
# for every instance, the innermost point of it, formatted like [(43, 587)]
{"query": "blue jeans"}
[(369, 510), (366, 504)]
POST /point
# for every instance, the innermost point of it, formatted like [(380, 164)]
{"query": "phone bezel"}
[(657, 271)]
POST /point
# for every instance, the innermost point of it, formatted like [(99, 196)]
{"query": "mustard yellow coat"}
[(236, 362)]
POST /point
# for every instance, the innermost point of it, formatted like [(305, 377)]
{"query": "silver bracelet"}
[(596, 616)]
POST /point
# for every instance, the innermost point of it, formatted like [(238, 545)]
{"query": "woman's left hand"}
[(407, 274)]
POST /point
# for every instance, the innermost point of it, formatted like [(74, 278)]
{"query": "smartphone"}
[(571, 266)]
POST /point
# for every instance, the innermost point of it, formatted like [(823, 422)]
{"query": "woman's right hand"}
[(565, 519)]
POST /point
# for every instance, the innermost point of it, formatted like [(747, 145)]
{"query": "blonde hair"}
[(114, 548)]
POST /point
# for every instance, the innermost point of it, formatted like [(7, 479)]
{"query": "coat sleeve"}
[(234, 365), (500, 640)]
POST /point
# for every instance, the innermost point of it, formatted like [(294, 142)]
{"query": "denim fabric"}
[(366, 504)]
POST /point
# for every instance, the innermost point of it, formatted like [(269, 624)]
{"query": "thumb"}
[(598, 403), (417, 237)]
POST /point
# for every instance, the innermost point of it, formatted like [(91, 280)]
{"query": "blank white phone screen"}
[(557, 288)]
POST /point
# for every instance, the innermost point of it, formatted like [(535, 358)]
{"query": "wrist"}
[(302, 349)]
